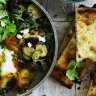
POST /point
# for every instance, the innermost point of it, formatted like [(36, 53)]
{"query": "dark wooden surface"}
[(50, 87)]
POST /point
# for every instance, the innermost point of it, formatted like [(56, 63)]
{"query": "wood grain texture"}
[(50, 87)]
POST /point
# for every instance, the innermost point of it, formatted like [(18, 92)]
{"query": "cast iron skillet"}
[(41, 76)]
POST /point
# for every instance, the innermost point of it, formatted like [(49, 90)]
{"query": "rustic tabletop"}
[(50, 87)]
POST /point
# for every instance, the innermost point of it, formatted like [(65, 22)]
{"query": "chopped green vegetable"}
[(6, 26), (43, 49), (1, 6), (8, 29), (3, 1), (71, 72), (72, 64), (36, 56), (11, 27), (3, 13), (34, 24), (28, 51)]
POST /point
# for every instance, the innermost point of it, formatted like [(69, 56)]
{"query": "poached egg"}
[(7, 64)]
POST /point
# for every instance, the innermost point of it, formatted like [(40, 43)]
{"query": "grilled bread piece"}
[(60, 76), (67, 38), (86, 33), (59, 71), (85, 36), (68, 54), (78, 46)]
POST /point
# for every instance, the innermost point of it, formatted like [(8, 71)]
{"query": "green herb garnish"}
[(6, 26), (3, 1), (71, 72)]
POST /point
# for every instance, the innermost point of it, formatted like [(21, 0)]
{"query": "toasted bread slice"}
[(86, 33), (59, 71), (67, 38), (85, 37), (67, 55)]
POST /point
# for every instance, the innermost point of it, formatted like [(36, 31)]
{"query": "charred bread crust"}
[(93, 77), (67, 38), (61, 77), (68, 54), (59, 71), (86, 9), (87, 63)]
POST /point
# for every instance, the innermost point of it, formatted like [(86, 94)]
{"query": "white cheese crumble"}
[(42, 39), (29, 44), (24, 31), (19, 36), (7, 67)]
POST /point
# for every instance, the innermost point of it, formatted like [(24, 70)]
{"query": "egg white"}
[(7, 66)]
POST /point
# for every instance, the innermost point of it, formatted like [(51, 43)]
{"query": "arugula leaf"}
[(1, 29), (6, 27), (1, 6), (5, 35), (3, 13), (72, 74), (3, 1), (11, 27), (34, 23), (18, 17), (4, 22)]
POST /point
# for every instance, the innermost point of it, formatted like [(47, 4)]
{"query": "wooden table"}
[(50, 87)]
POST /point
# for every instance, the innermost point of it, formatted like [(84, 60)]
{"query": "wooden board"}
[(50, 87)]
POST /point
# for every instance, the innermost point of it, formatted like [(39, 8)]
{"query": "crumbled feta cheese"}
[(12, 52), (41, 38), (19, 36), (24, 31), (29, 44), (3, 24)]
